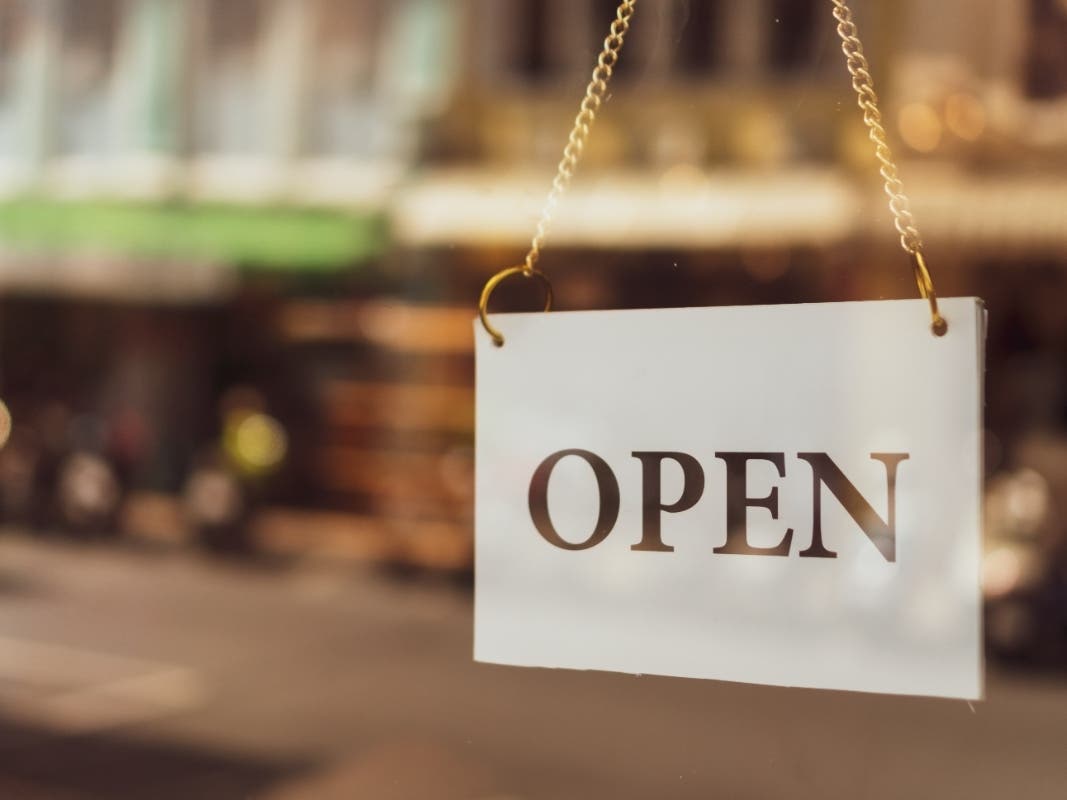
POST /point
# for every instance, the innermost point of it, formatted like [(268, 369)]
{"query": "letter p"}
[(652, 490)]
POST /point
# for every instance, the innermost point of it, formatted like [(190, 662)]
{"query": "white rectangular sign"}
[(786, 495)]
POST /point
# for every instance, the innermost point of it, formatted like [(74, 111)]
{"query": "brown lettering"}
[(652, 503), (882, 533), (607, 488), (738, 502)]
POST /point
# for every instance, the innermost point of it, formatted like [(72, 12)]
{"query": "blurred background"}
[(241, 244)]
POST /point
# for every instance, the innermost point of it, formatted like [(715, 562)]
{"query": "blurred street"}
[(127, 671)]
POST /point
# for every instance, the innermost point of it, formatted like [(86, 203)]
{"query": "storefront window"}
[(242, 244)]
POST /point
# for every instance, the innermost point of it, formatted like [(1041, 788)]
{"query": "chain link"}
[(595, 94), (867, 100)]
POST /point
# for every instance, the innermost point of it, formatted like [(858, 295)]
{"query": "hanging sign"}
[(785, 495)]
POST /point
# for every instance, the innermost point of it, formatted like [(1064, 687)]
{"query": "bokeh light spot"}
[(965, 116), (5, 424), (919, 127)]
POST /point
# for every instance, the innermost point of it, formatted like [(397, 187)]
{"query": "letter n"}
[(881, 532)]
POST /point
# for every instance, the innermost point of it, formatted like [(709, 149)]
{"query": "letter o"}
[(607, 489)]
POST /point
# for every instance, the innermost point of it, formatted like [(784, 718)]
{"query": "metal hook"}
[(493, 282), (938, 324)]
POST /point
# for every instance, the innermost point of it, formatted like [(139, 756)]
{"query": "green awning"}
[(277, 238)]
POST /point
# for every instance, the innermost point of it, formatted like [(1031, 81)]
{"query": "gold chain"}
[(595, 93), (867, 100)]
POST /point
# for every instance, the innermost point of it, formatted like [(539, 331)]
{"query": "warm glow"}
[(259, 442), (1028, 500), (5, 424), (682, 177), (1002, 570), (919, 127), (965, 116)]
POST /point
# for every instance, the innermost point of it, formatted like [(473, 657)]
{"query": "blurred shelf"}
[(391, 324), (415, 407)]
